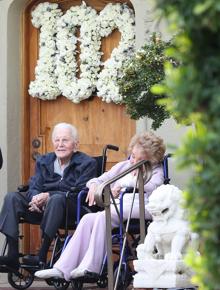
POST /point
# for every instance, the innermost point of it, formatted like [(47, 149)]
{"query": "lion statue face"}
[(164, 202)]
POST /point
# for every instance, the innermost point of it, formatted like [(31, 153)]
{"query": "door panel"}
[(98, 123)]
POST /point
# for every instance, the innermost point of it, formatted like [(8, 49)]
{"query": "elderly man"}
[(45, 200)]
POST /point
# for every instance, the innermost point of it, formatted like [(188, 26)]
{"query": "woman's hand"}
[(116, 191), (90, 198)]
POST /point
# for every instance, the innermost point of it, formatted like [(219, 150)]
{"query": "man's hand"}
[(91, 194), (34, 207), (38, 201)]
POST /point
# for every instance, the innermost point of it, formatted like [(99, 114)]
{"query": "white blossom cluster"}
[(57, 69), (77, 89), (45, 85), (111, 17)]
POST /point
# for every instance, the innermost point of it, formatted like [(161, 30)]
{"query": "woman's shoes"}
[(76, 273), (54, 272), (49, 273)]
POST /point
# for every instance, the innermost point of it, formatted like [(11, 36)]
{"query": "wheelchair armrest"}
[(121, 197), (81, 194), (23, 187), (130, 189), (75, 189), (73, 192)]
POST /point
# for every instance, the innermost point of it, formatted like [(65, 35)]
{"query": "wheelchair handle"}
[(112, 147)]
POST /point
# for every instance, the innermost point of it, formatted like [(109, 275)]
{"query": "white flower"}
[(112, 17), (82, 88), (45, 85)]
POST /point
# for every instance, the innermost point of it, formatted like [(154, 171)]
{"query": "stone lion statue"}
[(169, 233), (160, 259)]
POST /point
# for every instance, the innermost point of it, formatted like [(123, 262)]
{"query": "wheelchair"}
[(24, 276), (126, 272)]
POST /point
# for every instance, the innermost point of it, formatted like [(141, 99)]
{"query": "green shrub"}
[(145, 69), (193, 91)]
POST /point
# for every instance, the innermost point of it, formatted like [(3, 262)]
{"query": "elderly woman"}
[(87, 247)]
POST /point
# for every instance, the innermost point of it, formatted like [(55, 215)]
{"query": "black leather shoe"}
[(10, 262), (32, 260)]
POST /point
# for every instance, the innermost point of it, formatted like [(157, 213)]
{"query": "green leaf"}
[(202, 7)]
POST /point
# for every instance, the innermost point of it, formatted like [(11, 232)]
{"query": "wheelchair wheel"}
[(21, 280), (60, 284), (102, 282), (124, 280), (77, 284), (49, 282)]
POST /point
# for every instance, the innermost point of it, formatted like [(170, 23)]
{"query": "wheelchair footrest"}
[(4, 269), (89, 277), (8, 269)]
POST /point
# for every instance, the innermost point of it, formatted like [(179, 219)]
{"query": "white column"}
[(3, 97), (10, 93)]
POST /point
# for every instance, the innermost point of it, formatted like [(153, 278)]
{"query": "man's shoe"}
[(10, 262), (32, 260)]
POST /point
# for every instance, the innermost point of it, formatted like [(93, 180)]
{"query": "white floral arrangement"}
[(45, 85), (77, 89), (111, 17), (57, 69)]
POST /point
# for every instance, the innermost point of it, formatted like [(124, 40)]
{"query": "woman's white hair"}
[(73, 130)]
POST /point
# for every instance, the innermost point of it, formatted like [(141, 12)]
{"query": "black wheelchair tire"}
[(60, 284), (22, 281), (76, 284), (102, 282), (125, 278)]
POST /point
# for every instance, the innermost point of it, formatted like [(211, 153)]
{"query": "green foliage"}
[(140, 73), (193, 91)]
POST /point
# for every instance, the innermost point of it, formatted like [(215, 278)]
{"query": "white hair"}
[(73, 130)]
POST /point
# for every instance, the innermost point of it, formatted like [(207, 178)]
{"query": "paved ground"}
[(5, 285), (40, 285)]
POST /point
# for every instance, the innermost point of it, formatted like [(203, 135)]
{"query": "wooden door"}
[(98, 123)]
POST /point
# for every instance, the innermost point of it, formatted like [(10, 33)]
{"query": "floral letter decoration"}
[(112, 17), (71, 87), (56, 70), (45, 84)]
